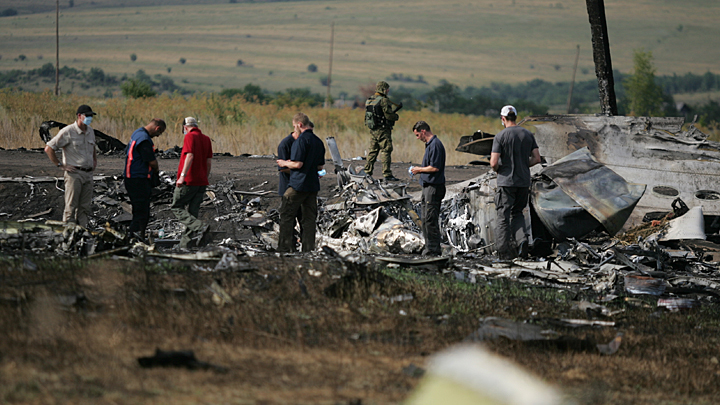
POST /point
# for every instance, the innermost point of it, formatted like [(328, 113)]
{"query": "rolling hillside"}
[(271, 44)]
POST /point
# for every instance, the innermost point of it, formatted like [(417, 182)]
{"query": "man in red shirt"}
[(192, 180)]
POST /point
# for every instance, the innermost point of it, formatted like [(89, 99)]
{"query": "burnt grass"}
[(304, 329)]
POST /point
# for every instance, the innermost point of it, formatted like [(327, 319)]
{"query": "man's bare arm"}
[(535, 158), (181, 176), (290, 164), (495, 161)]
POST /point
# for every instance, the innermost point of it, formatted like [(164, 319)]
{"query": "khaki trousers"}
[(78, 197), (380, 143)]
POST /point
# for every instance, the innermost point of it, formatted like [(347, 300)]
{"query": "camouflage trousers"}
[(381, 143)]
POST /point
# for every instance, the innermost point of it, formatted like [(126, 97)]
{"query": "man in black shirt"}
[(307, 156), (432, 179), (514, 152)]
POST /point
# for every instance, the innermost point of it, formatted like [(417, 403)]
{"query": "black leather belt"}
[(85, 169)]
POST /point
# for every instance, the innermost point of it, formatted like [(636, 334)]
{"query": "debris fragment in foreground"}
[(470, 374), (182, 358), (611, 347), (675, 304)]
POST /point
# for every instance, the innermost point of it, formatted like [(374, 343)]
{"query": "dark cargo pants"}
[(292, 201), (139, 190), (432, 196), (511, 230), (190, 197)]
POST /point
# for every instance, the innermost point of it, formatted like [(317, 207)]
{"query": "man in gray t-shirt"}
[(514, 151)]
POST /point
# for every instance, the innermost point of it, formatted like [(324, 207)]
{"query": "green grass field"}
[(467, 43)]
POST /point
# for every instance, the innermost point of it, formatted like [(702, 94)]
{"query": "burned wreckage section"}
[(579, 205)]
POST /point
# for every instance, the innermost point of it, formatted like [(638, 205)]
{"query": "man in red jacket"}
[(192, 180)]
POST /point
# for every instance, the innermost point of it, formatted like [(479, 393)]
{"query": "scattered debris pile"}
[(112, 212)]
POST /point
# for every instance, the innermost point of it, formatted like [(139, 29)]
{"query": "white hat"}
[(507, 110), (190, 122)]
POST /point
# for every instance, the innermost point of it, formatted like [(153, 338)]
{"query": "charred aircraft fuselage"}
[(647, 150)]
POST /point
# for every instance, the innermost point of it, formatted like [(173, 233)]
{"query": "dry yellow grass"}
[(236, 126)]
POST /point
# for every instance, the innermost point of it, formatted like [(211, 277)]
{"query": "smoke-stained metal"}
[(648, 150), (589, 186)]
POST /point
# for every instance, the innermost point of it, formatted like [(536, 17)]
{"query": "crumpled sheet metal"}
[(367, 223), (554, 273), (689, 226), (392, 236), (589, 185)]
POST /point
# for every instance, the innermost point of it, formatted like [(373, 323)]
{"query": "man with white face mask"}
[(79, 160)]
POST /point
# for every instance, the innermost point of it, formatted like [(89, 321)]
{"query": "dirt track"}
[(245, 172)]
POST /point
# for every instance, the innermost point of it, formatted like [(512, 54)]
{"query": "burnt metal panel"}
[(590, 185)]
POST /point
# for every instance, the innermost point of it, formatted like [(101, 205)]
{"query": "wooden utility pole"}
[(329, 78), (601, 56), (572, 82), (57, 47)]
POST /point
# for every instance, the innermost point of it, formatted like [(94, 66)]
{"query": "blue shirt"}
[(310, 150), (435, 157), (284, 150), (138, 155)]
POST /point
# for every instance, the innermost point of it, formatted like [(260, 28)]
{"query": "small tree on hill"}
[(133, 57), (312, 68), (135, 88), (645, 97), (182, 61)]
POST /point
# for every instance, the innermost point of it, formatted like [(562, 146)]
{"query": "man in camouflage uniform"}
[(381, 138)]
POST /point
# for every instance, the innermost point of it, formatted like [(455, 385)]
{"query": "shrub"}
[(22, 57), (133, 57), (182, 61), (96, 76), (47, 70), (240, 62), (250, 92), (135, 88), (8, 12), (312, 68)]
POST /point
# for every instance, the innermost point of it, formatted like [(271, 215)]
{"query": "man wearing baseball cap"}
[(192, 180), (79, 160), (514, 151)]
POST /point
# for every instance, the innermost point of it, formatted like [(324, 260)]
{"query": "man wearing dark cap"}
[(514, 151), (140, 167), (380, 117), (79, 160), (192, 180), (432, 180)]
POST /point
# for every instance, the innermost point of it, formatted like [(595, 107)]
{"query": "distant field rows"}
[(473, 43)]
